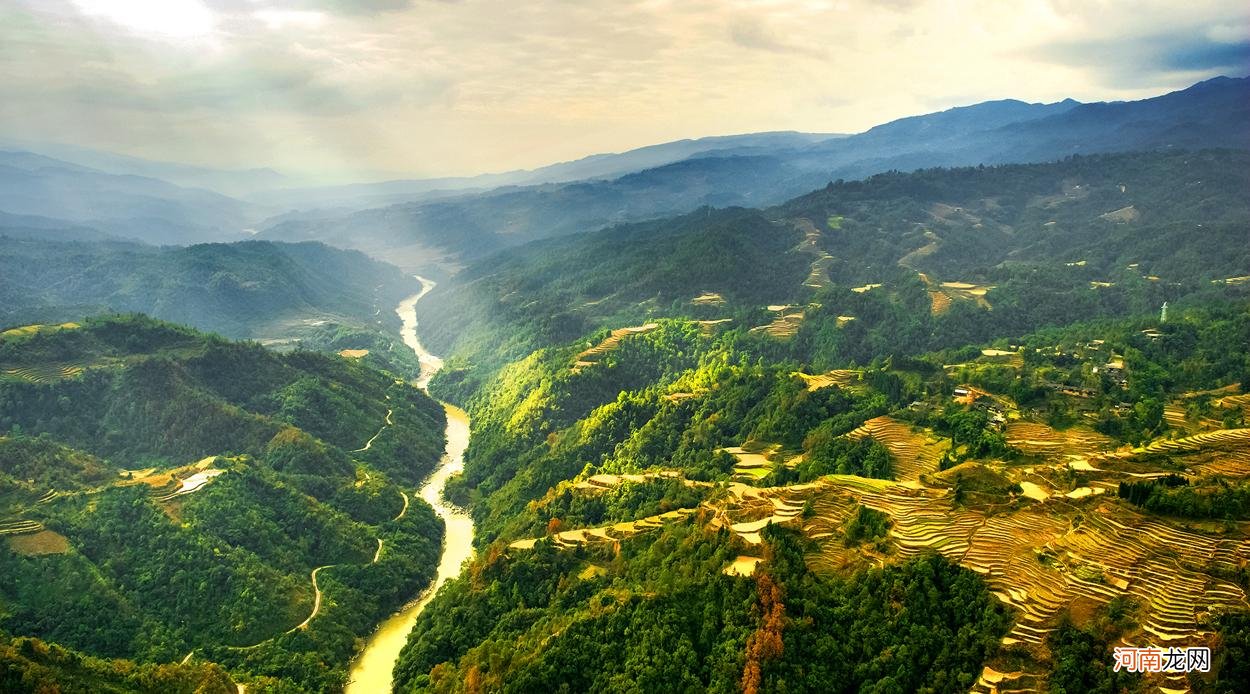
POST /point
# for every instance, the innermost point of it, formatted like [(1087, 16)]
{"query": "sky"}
[(354, 89)]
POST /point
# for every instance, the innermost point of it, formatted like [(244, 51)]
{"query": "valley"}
[(954, 403), (371, 671), (297, 539)]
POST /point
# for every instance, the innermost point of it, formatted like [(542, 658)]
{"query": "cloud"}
[(338, 7), (448, 87), (1209, 55), (364, 6), (753, 34), (1147, 59)]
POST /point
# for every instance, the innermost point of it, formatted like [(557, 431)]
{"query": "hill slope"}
[(128, 206), (278, 293), (166, 491), (922, 260)]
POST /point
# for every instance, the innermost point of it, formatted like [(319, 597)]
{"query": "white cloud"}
[(162, 18), (434, 87), (283, 19)]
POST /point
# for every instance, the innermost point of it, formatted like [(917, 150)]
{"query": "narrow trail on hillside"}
[(403, 510), (385, 423), (316, 599)]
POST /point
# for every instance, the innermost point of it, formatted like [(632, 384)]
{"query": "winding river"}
[(371, 671)]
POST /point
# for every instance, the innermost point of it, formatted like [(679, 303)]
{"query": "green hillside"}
[(31, 665), (620, 503), (169, 492), (282, 294), (920, 261)]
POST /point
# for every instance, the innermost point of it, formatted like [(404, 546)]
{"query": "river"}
[(371, 671)]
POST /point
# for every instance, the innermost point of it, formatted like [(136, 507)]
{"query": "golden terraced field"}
[(591, 356), (1063, 551)]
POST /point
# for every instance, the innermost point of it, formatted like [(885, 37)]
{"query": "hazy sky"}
[(429, 87)]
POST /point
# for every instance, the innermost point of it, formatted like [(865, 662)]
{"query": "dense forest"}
[(660, 615), (31, 665), (104, 423)]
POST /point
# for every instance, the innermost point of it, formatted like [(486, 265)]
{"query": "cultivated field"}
[(913, 452), (592, 355), (843, 378), (1060, 544), (42, 373), (818, 278), (941, 294), (786, 323)]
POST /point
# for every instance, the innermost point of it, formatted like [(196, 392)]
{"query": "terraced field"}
[(1223, 452), (843, 378), (746, 510), (1046, 552), (1044, 559), (751, 465), (615, 532), (819, 276), (708, 299), (591, 356), (38, 328), (19, 527), (940, 302), (1011, 358), (1235, 402), (786, 323), (1223, 439), (1075, 444), (191, 484), (42, 373), (942, 294), (709, 327), (604, 482), (913, 453)]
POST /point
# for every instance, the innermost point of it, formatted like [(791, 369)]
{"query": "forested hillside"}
[(622, 502), (284, 295), (169, 495), (239, 290), (895, 264), (912, 380)]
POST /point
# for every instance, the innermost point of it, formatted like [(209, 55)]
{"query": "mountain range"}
[(445, 222), (1211, 114)]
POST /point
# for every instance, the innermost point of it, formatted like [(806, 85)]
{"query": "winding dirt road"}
[(316, 598)]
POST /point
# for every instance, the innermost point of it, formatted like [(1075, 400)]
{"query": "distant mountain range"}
[(1212, 114), (593, 167), (118, 205), (69, 192)]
